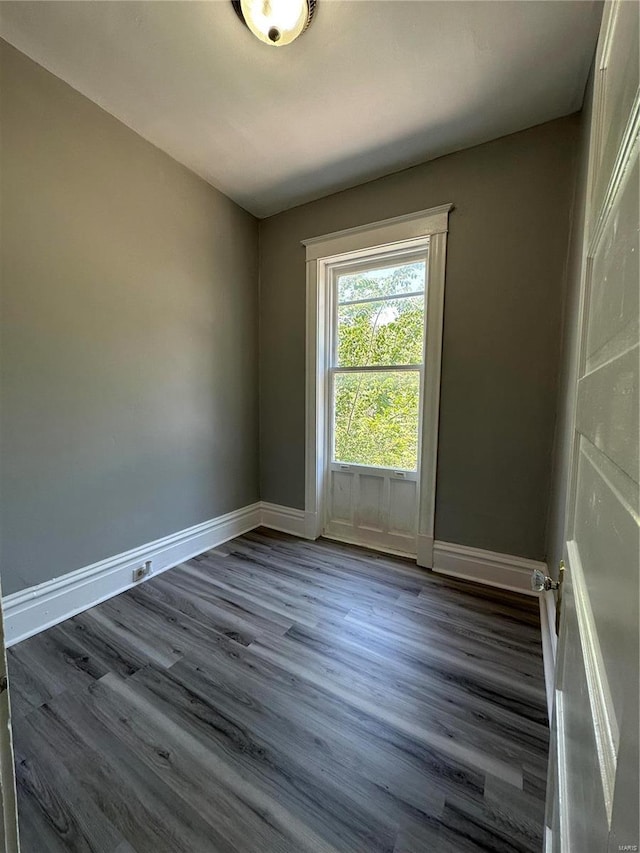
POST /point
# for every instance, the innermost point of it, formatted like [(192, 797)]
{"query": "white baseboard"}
[(39, 607), (424, 551), (312, 528), (488, 567), (283, 518), (549, 645)]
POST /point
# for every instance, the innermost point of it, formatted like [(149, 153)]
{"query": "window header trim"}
[(421, 223)]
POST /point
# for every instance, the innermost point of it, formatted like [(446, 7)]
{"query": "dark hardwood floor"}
[(281, 695)]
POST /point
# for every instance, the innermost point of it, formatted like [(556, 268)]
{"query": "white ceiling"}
[(372, 87)]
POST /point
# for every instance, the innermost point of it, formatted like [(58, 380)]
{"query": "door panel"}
[(607, 414), (613, 314), (402, 505), (606, 535), (580, 784), (616, 88), (593, 789), (373, 506), (371, 501), (342, 496)]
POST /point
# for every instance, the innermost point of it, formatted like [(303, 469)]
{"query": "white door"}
[(592, 797), (375, 387), (9, 817)]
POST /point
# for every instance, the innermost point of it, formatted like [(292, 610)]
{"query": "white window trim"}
[(401, 232)]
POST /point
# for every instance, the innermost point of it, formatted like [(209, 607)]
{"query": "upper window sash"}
[(402, 341)]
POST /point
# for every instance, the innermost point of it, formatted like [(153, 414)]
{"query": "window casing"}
[(412, 230)]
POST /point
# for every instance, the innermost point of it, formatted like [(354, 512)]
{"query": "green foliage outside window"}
[(376, 417), (376, 414), (387, 281), (384, 332)]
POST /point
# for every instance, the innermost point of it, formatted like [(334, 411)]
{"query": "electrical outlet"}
[(142, 571)]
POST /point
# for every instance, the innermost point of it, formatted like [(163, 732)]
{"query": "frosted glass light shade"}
[(276, 22)]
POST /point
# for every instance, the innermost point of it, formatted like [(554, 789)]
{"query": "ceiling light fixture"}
[(275, 22)]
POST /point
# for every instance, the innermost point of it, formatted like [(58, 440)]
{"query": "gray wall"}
[(569, 356), (129, 353), (505, 275), (129, 345)]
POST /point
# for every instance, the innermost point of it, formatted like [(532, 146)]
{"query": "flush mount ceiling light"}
[(275, 22)]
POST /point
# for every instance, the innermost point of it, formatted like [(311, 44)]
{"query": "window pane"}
[(384, 281), (376, 418), (388, 331)]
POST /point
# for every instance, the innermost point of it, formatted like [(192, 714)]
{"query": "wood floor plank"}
[(482, 711), (433, 656), (276, 798), (128, 620), (193, 597), (329, 584), (320, 736), (46, 665), (133, 797), (351, 739), (414, 836), (245, 578), (276, 695), (45, 785), (400, 712), (399, 624), (263, 606)]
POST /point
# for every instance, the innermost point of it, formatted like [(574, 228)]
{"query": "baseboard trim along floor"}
[(489, 567), (283, 518), (39, 607)]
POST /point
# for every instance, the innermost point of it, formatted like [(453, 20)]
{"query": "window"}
[(416, 237), (377, 360)]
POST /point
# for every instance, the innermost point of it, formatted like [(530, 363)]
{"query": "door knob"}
[(540, 581)]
